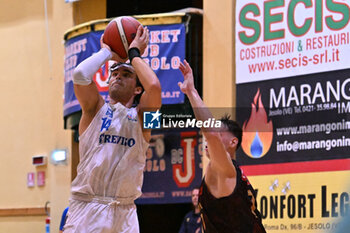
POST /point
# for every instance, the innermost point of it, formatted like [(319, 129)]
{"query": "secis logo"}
[(151, 120)]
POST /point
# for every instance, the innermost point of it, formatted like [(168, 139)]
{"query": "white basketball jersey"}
[(112, 155)]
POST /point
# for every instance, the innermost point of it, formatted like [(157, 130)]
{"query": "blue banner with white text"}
[(165, 51)]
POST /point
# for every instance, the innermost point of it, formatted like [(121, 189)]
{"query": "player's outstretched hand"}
[(141, 39), (187, 85), (115, 56)]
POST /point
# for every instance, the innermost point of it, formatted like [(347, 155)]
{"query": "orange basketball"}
[(119, 33)]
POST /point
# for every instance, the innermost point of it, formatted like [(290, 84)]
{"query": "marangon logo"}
[(257, 130)]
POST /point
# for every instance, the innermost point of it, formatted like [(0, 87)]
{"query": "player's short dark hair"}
[(233, 127), (138, 83), (138, 97)]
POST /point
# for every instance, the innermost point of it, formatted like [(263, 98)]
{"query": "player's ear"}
[(137, 90), (233, 142)]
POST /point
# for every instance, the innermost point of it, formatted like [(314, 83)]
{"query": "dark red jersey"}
[(235, 213)]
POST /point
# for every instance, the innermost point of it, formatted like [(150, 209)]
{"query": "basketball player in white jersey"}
[(112, 145)]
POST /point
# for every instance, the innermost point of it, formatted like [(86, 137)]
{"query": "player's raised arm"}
[(85, 88), (219, 158), (151, 97)]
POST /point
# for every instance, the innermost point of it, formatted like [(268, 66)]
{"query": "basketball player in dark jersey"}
[(227, 199)]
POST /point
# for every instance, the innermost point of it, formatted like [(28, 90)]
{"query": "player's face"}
[(195, 194), (122, 83), (123, 76)]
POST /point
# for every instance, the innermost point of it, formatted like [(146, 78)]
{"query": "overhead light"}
[(59, 157)]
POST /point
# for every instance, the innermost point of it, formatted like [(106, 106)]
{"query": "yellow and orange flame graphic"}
[(257, 131)]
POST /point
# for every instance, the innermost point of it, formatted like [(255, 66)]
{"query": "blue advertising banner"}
[(78, 49), (173, 167), (165, 51)]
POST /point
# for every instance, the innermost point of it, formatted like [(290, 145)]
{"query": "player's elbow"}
[(156, 91), (77, 73), (79, 77), (154, 87)]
